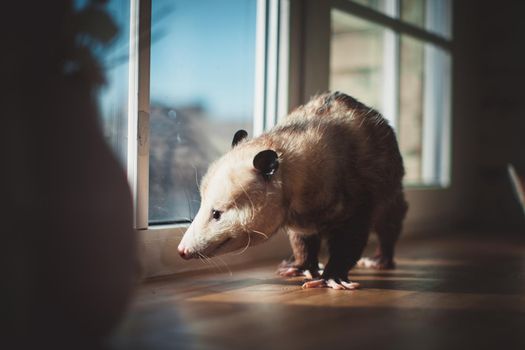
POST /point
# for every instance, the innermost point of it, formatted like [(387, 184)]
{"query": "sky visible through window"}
[(204, 53)]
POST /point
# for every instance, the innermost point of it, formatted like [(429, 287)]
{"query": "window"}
[(183, 76), (394, 55), (202, 81)]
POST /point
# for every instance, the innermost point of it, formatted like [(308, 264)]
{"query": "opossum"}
[(330, 170)]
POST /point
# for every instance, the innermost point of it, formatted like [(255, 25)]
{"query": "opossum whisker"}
[(208, 260), (201, 258), (235, 204), (225, 265), (190, 211), (261, 233), (243, 222), (212, 262), (196, 177), (251, 202), (204, 260), (247, 245)]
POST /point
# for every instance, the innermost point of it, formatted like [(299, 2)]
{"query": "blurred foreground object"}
[(69, 250)]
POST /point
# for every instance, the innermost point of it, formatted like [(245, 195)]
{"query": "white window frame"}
[(159, 242), (431, 206)]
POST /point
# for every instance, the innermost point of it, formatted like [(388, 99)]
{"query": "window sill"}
[(159, 255), (422, 187)]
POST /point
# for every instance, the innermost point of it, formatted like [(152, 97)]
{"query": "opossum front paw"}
[(287, 269), (377, 262), (334, 283)]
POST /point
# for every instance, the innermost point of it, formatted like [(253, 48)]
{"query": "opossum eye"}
[(216, 214)]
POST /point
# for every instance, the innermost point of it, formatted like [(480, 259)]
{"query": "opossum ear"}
[(238, 137), (266, 162)]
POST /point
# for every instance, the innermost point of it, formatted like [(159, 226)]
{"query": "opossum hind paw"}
[(291, 271), (331, 283), (378, 263)]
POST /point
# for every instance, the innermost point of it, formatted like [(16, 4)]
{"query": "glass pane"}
[(424, 112), (432, 15), (113, 58), (202, 87), (413, 11), (114, 96), (356, 58), (436, 126), (411, 106), (412, 90)]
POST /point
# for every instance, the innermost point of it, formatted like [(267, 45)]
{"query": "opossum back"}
[(339, 123)]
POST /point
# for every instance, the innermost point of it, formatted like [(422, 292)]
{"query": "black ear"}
[(266, 162), (238, 137)]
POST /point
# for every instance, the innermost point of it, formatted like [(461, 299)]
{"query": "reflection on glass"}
[(356, 58), (114, 96), (202, 86), (113, 59), (411, 90), (436, 116), (424, 111)]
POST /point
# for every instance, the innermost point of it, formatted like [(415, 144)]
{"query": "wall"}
[(488, 125), (497, 57)]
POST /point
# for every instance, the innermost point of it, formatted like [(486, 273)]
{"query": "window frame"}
[(435, 172), (138, 109), (272, 90), (432, 207)]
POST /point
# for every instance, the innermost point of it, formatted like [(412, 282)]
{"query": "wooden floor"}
[(445, 294)]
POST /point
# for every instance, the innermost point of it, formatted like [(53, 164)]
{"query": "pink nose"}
[(184, 252)]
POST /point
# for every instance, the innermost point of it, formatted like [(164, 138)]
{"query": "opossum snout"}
[(184, 252)]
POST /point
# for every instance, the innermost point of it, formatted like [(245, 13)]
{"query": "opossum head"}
[(241, 201)]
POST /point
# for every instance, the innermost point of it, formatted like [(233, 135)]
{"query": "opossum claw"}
[(291, 271), (331, 283), (287, 268), (320, 283), (377, 262)]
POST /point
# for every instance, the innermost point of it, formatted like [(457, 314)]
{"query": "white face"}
[(239, 208)]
